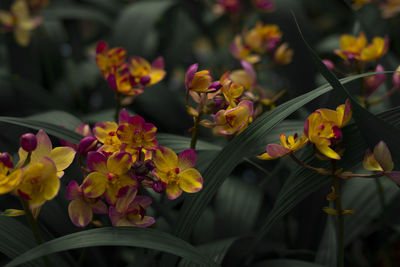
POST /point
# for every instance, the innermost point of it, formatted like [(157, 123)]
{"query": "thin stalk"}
[(34, 227), (117, 106), (340, 221), (195, 132)]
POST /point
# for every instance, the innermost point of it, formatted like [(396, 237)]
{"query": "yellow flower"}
[(287, 146)]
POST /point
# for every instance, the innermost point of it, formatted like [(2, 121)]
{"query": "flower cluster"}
[(121, 158), (233, 101), (259, 40), (127, 78), (36, 176), (357, 53), (22, 19)]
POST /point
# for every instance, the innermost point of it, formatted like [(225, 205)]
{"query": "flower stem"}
[(195, 132), (34, 227), (117, 106), (340, 221)]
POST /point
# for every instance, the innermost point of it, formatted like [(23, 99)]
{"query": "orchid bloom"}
[(105, 132), (39, 183), (352, 47), (107, 59), (120, 81), (85, 200), (231, 91), (177, 172), (287, 146), (135, 133), (245, 77), (243, 52), (130, 210), (9, 179), (144, 74), (234, 120), (381, 160), (283, 55), (263, 37), (197, 81), (113, 172), (373, 82), (61, 156), (322, 128), (20, 21)]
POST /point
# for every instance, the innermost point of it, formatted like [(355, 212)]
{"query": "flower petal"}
[(187, 159), (97, 162), (190, 181), (73, 191), (80, 213), (383, 156), (119, 163), (62, 157), (165, 159), (173, 191), (94, 185)]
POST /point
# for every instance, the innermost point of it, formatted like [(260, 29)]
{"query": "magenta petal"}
[(275, 150), (123, 116), (114, 215), (97, 162), (306, 127), (101, 47), (143, 201), (158, 63), (145, 222), (112, 82), (249, 69), (187, 159), (190, 74), (137, 121), (73, 191)]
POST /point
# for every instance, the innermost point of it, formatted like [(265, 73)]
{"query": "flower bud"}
[(158, 186), (28, 142), (87, 144)]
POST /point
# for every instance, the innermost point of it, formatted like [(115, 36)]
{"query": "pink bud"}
[(158, 186), (145, 80), (28, 142), (87, 144)]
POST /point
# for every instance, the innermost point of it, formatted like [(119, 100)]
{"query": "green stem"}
[(340, 224), (381, 194), (34, 227), (117, 106), (195, 132)]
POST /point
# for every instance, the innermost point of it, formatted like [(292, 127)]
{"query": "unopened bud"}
[(5, 158), (28, 142), (329, 64), (87, 144), (158, 186)]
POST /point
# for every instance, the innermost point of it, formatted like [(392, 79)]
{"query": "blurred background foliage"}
[(56, 78)]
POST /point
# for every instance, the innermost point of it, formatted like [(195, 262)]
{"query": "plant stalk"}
[(195, 132)]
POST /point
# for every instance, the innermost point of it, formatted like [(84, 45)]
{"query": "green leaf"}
[(362, 196), (75, 11), (286, 263), (51, 129), (135, 25), (121, 236), (216, 251), (180, 143), (327, 249), (16, 238), (56, 117)]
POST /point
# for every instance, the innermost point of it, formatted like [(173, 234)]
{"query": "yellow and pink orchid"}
[(20, 21), (145, 74), (85, 200), (39, 182), (288, 145), (197, 81), (322, 128), (112, 172), (108, 59), (177, 171), (105, 132), (130, 210)]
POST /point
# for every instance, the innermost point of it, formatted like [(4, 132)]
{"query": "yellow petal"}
[(190, 180), (165, 159), (62, 157)]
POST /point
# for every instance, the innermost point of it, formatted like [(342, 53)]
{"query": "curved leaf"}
[(121, 236), (57, 117), (286, 263), (51, 129)]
